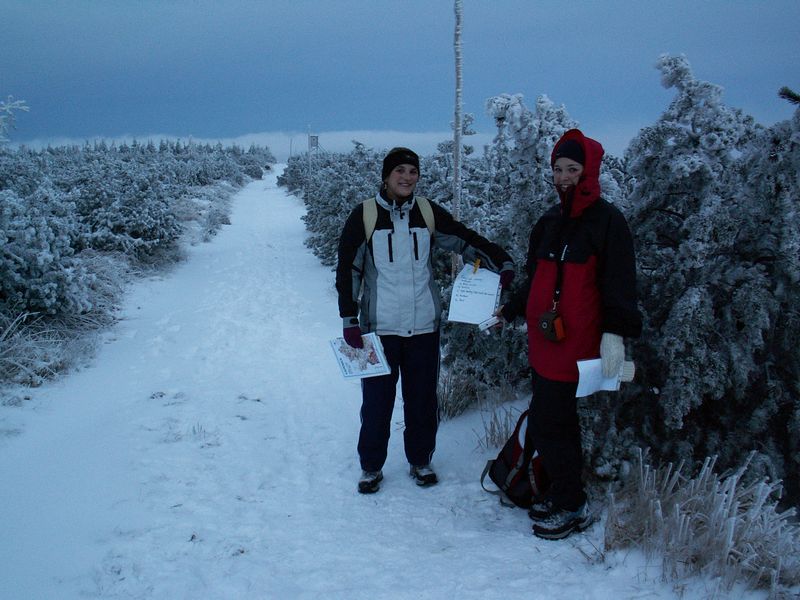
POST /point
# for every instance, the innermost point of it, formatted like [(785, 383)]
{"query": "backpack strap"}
[(370, 215), (427, 213), (483, 478)]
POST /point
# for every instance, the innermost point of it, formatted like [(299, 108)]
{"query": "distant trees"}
[(331, 185)]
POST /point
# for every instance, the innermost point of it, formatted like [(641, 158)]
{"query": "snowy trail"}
[(208, 451)]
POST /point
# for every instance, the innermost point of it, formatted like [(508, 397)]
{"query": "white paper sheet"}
[(591, 380), (369, 361), (475, 296)]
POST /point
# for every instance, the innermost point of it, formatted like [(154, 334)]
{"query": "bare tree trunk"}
[(457, 131)]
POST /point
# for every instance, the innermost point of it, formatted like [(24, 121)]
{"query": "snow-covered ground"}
[(208, 451)]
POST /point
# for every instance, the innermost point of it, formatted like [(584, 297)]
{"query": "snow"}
[(208, 451)]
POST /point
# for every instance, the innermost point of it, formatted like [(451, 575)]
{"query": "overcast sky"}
[(230, 68)]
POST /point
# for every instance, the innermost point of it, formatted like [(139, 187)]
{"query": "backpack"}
[(517, 471), (370, 215)]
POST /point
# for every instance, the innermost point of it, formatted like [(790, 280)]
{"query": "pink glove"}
[(352, 335)]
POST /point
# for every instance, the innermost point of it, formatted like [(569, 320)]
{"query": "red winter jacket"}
[(598, 291)]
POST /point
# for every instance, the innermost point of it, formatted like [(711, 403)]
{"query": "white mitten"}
[(612, 353)]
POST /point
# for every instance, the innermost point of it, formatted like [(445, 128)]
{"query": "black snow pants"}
[(553, 423), (415, 360)]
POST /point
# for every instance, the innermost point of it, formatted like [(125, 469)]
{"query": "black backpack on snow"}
[(517, 471)]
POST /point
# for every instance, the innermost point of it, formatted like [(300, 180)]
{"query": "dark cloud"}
[(214, 69)]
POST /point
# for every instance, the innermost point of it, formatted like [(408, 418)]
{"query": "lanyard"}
[(560, 262)]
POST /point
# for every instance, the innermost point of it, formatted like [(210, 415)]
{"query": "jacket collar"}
[(393, 208)]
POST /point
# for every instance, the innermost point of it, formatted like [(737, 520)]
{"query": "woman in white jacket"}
[(385, 285)]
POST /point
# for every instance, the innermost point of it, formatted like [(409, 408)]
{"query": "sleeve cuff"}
[(349, 322)]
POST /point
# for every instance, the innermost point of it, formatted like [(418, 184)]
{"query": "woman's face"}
[(566, 173), (402, 181)]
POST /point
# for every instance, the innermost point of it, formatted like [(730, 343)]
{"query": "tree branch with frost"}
[(7, 109), (789, 95)]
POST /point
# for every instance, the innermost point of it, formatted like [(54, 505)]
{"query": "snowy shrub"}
[(76, 221), (133, 217), (38, 267), (718, 526), (331, 186)]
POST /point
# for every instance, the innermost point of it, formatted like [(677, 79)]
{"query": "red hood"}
[(588, 189)]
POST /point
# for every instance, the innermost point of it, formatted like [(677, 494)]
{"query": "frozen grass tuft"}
[(455, 394), (708, 525), (498, 427), (29, 349)]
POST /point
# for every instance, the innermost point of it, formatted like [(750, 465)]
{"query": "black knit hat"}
[(570, 149), (398, 156)]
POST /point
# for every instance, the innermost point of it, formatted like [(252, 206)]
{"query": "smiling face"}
[(401, 182), (566, 173)]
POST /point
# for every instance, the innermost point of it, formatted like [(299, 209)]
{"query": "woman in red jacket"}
[(579, 302)]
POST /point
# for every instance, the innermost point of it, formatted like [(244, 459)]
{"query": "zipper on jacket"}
[(391, 253), (416, 246)]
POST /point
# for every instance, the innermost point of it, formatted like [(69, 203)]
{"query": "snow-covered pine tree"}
[(520, 161), (506, 193), (768, 210), (39, 271), (708, 227)]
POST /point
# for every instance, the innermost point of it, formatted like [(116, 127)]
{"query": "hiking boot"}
[(370, 482), (562, 522), (423, 475), (541, 509)]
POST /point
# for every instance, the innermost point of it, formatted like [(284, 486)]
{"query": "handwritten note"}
[(475, 295)]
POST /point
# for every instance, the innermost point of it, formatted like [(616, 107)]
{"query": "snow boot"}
[(423, 475), (562, 522), (541, 509), (370, 482)]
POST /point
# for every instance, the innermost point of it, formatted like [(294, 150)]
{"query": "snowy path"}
[(208, 452)]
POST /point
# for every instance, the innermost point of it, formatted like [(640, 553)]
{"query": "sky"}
[(208, 450), (378, 71)]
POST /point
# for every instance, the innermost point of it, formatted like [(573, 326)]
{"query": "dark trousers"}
[(556, 434), (415, 360)]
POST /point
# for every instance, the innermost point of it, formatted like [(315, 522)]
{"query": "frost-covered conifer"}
[(520, 159), (714, 228), (39, 271)]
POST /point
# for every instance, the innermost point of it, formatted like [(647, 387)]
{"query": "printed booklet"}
[(369, 361)]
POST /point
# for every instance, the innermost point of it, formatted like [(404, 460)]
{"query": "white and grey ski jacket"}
[(386, 283)]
